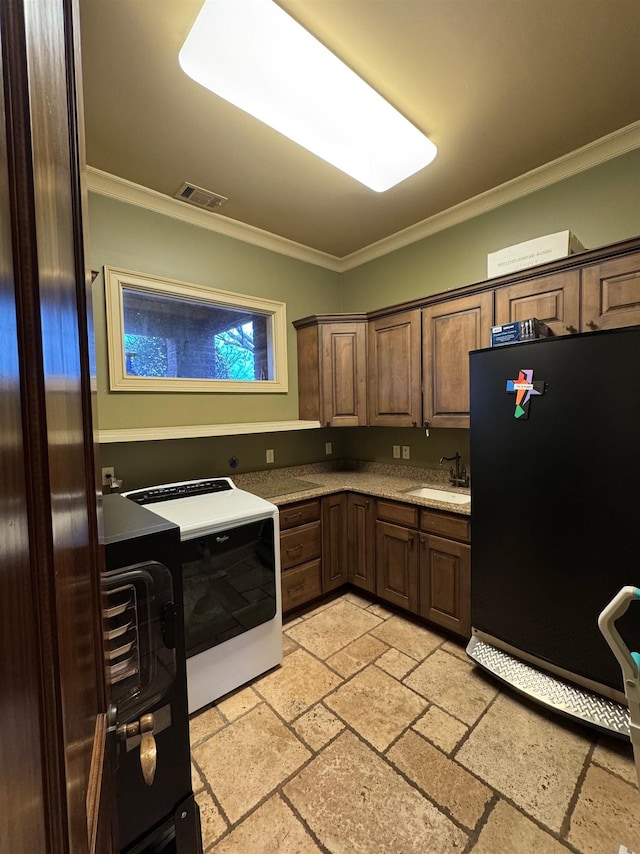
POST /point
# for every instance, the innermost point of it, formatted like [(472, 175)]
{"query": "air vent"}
[(200, 198)]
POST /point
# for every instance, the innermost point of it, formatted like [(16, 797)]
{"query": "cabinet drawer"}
[(299, 514), (300, 585), (446, 524), (398, 514), (300, 544)]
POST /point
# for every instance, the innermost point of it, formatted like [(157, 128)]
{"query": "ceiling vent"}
[(200, 198)]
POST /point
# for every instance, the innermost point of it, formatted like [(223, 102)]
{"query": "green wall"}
[(600, 206), (140, 464), (126, 236)]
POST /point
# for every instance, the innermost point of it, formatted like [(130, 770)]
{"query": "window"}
[(165, 335)]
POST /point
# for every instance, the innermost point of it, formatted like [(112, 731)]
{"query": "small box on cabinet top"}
[(532, 252), (519, 330)]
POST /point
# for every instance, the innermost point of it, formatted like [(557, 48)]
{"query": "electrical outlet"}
[(396, 452), (270, 455), (406, 452), (108, 473), (328, 449)]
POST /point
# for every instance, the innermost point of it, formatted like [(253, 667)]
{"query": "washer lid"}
[(199, 512)]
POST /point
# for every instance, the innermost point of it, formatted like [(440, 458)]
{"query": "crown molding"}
[(615, 144), (113, 187)]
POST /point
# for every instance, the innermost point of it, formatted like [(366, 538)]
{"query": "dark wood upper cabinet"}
[(555, 299), (332, 371), (394, 387), (611, 293), (450, 330)]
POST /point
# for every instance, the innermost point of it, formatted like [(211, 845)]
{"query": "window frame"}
[(117, 280)]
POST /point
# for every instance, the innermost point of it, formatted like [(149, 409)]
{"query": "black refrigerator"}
[(555, 500)]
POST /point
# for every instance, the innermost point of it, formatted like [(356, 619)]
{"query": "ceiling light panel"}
[(254, 55)]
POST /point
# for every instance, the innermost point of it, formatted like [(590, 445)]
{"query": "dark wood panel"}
[(445, 583), (450, 330), (301, 585), (344, 374), (50, 610), (397, 565), (334, 541), (361, 542), (299, 514), (554, 299), (446, 524), (300, 544), (308, 374), (611, 293), (394, 380), (398, 513)]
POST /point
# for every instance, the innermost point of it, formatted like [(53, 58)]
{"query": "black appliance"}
[(146, 672), (555, 498)]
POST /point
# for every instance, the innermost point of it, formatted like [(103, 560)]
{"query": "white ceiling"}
[(502, 87)]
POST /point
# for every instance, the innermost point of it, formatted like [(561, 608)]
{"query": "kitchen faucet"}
[(457, 478)]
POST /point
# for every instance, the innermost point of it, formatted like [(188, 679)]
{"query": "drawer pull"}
[(294, 548), (295, 589), (291, 516)]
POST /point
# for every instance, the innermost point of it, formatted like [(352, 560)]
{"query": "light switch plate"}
[(270, 455), (396, 452)]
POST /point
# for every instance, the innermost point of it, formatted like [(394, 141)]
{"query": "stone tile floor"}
[(378, 735)]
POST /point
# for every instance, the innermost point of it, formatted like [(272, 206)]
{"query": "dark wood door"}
[(361, 542), (450, 330), (334, 541), (344, 374), (445, 583), (394, 387), (397, 565), (52, 715), (611, 293), (554, 299)]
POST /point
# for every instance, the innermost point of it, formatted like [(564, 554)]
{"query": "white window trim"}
[(115, 280)]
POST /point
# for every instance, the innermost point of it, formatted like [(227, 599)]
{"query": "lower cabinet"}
[(300, 553), (445, 570), (397, 554), (417, 559), (425, 571)]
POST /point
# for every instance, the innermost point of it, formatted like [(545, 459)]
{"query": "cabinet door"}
[(449, 331), (343, 386), (334, 541), (611, 293), (361, 542), (394, 381), (554, 299), (397, 565), (445, 583)]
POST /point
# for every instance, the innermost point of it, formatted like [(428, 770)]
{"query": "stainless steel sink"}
[(438, 495)]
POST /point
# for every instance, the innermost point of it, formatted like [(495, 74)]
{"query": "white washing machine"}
[(230, 549)]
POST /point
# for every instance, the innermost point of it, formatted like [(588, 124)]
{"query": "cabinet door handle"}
[(591, 324), (570, 328)]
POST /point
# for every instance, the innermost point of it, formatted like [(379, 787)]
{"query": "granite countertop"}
[(299, 483)]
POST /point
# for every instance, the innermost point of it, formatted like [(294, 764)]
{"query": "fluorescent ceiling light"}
[(253, 54)]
